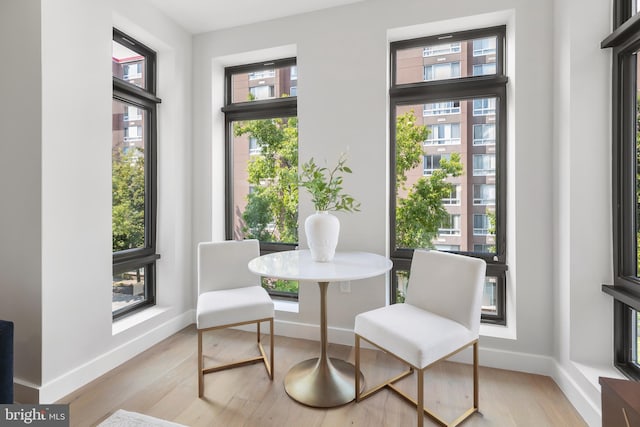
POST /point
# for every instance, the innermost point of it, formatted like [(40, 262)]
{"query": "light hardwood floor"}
[(162, 382)]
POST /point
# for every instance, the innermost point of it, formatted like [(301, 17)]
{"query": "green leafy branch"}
[(325, 186)]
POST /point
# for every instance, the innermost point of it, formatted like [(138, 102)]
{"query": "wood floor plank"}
[(162, 382)]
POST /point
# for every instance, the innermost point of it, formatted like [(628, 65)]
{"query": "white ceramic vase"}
[(322, 229)]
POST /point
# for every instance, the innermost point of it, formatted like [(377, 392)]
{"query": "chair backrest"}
[(223, 265), (449, 285)]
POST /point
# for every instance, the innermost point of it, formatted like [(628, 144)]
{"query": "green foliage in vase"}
[(325, 186)]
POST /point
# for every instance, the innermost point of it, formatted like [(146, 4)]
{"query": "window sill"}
[(128, 322), (286, 306), (497, 331)]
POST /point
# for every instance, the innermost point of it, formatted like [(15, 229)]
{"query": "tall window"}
[(448, 152), (133, 165), (625, 41), (262, 159)]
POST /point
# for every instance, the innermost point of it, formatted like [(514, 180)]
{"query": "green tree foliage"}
[(420, 214), (409, 139), (128, 199), (272, 207)]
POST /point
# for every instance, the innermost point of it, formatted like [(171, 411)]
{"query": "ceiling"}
[(199, 16)]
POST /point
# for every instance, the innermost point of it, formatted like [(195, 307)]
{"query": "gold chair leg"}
[(476, 404), (268, 363), (200, 373), (357, 368), (271, 349), (420, 402)]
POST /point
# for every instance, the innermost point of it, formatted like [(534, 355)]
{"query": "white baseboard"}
[(76, 378), (576, 391)]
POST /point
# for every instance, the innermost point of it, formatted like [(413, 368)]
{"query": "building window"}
[(262, 74), (484, 46), (443, 134), (484, 134), (484, 164), (254, 146), (442, 71), (455, 196), (484, 69), (449, 248), (625, 290), (484, 194), (441, 49), (483, 248), (262, 160), (432, 162), (484, 106), (262, 92), (441, 108), (450, 226), (481, 226), (133, 161), (427, 209)]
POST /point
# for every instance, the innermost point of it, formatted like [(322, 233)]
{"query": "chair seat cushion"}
[(229, 306), (416, 336)]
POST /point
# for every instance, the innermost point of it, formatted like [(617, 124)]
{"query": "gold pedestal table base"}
[(322, 383)]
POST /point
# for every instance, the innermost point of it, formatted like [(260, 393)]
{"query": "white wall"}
[(20, 182), (56, 280)]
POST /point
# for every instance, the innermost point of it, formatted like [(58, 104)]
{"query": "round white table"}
[(321, 382)]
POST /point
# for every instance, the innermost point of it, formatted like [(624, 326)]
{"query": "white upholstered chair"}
[(230, 295), (440, 317)]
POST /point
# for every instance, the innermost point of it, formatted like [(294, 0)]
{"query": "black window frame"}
[(253, 110), (457, 89), (146, 98), (624, 42)]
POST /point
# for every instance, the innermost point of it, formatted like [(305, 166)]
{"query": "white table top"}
[(298, 265)]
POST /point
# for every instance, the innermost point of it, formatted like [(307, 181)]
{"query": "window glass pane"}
[(266, 83), (128, 176), (128, 289), (440, 61), (490, 296), (264, 190), (128, 65), (450, 158)]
